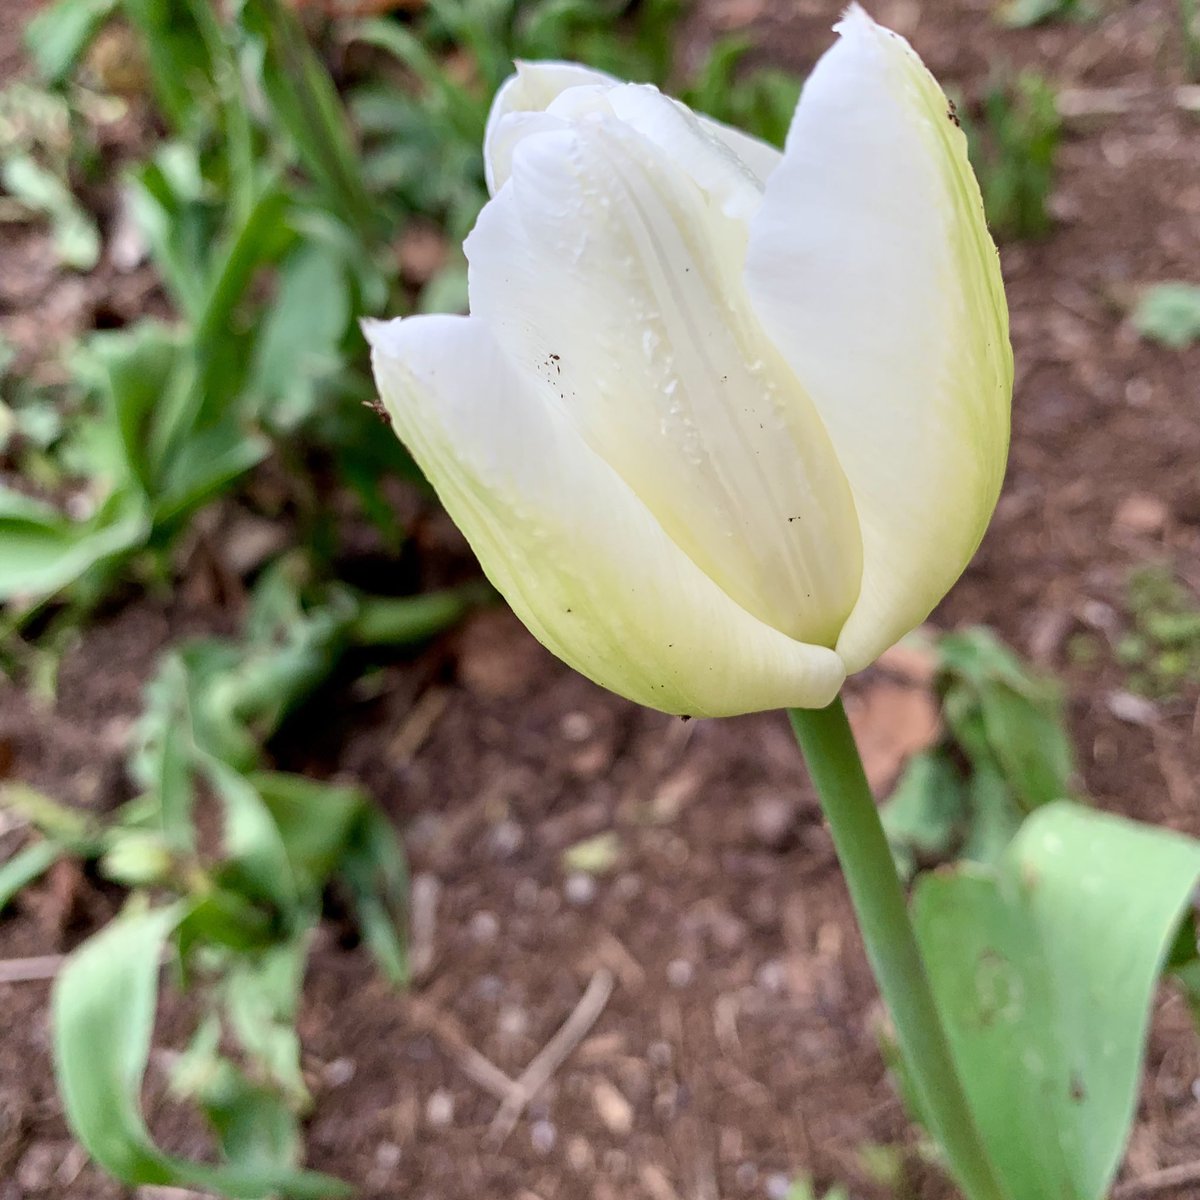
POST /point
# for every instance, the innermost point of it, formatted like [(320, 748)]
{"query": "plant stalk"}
[(879, 902)]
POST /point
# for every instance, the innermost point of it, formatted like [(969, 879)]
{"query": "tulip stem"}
[(879, 902)]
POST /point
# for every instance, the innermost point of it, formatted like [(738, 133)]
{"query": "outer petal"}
[(611, 262), (577, 555), (871, 266), (535, 87)]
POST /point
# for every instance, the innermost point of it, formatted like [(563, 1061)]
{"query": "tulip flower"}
[(723, 423)]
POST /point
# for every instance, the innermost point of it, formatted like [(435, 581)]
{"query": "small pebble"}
[(612, 1108), (778, 1186), (576, 727), (660, 1054), (513, 1021), (580, 888), (506, 838), (484, 926), (773, 821), (680, 972), (542, 1136), (387, 1156), (771, 976), (339, 1072), (439, 1109)]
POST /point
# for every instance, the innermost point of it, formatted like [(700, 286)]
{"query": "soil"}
[(738, 1047)]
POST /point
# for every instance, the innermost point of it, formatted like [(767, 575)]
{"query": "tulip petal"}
[(535, 87), (871, 267), (575, 552), (612, 259)]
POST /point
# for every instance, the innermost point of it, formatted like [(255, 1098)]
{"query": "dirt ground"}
[(737, 1047)]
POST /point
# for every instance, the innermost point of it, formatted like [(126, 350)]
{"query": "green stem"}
[(879, 902)]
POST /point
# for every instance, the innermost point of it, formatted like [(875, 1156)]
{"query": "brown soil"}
[(738, 1045)]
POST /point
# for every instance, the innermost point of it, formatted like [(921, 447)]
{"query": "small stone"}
[(746, 1176), (338, 1072), (542, 1136), (778, 1186), (439, 1109), (506, 838), (1132, 708), (513, 1021), (484, 926), (576, 727), (612, 1108), (580, 889), (773, 820), (680, 972), (1141, 514), (387, 1156)]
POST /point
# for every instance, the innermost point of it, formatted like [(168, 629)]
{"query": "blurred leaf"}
[(315, 820), (181, 67), (28, 864), (1021, 714), (45, 551), (103, 1017), (403, 620), (300, 343), (926, 816), (76, 238), (595, 855), (1169, 313), (1044, 968), (1020, 14), (306, 104), (256, 862), (261, 994), (374, 871), (56, 37)]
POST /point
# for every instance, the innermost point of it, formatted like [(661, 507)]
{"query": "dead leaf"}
[(892, 722)]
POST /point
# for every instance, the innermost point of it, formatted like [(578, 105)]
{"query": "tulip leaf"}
[(1044, 967), (103, 1016)]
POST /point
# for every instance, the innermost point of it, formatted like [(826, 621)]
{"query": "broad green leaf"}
[(315, 819), (1044, 968), (45, 551), (103, 1018)]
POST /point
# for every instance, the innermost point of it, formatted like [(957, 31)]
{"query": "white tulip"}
[(723, 423)]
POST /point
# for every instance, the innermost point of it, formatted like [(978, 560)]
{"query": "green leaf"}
[(299, 346), (76, 238), (257, 862), (1044, 969), (28, 864), (56, 37), (1169, 313), (926, 814), (376, 875), (103, 1018), (45, 551), (261, 994), (315, 820)]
